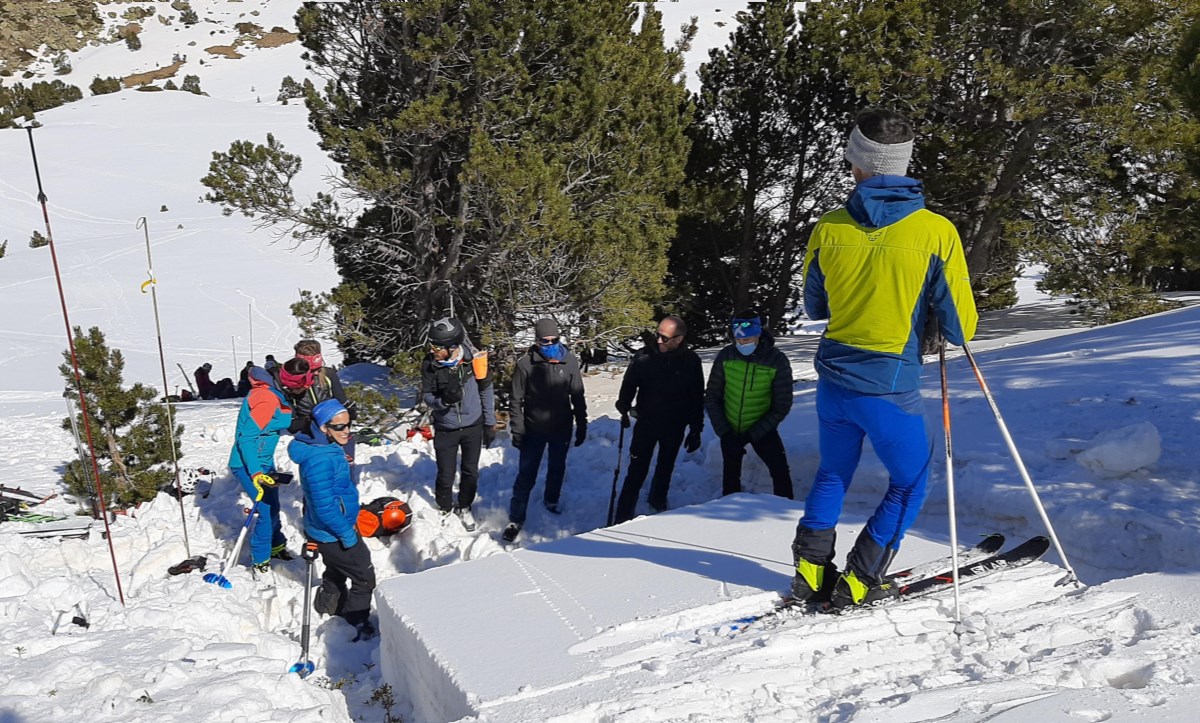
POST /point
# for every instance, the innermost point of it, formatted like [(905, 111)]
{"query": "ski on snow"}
[(926, 579)]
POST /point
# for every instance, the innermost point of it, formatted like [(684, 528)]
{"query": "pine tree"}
[(514, 159), (765, 164), (129, 426), (102, 86), (37, 240), (191, 84), (1041, 125)]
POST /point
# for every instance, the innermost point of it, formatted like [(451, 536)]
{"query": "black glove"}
[(489, 435), (692, 443), (625, 421), (451, 393), (580, 434), (516, 440)]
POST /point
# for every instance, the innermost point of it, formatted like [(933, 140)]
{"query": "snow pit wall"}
[(547, 629), (408, 666)]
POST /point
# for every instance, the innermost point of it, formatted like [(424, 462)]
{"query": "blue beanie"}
[(326, 411)]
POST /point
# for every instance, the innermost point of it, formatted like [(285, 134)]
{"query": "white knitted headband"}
[(882, 159)]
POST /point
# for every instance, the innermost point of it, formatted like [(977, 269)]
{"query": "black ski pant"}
[(646, 436), (354, 565), (769, 449), (446, 446)]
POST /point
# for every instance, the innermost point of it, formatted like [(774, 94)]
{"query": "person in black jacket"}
[(547, 393), (668, 381), (462, 401)]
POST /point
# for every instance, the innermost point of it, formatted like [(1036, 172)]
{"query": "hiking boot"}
[(327, 600), (552, 507), (364, 631), (282, 553), (444, 515), (851, 590), (511, 532), (262, 568), (814, 581), (468, 520)]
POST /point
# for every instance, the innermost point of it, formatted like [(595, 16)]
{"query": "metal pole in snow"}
[(1071, 578), (87, 424), (950, 479), (152, 282)]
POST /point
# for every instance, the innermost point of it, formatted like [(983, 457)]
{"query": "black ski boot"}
[(812, 553), (865, 580)]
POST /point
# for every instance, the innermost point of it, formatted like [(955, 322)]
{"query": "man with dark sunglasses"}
[(667, 380), (547, 400), (749, 393)]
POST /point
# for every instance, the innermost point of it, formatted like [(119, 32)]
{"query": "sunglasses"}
[(664, 338), (339, 427), (548, 341)]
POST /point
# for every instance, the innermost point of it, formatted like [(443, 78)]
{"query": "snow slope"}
[(1105, 418)]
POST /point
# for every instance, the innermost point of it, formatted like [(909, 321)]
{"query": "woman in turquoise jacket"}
[(263, 417), (330, 513)]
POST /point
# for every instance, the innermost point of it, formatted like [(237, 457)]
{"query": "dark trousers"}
[(646, 436), (446, 445), (533, 446), (769, 449), (353, 564)]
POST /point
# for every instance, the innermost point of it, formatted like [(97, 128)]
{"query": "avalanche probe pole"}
[(152, 282), (1071, 577), (950, 478), (87, 422)]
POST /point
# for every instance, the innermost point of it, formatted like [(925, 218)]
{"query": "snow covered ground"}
[(1106, 420)]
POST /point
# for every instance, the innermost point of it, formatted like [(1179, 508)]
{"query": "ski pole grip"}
[(310, 551)]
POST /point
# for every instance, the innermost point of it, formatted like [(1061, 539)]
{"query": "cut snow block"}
[(550, 628)]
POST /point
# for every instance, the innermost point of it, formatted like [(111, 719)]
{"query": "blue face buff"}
[(553, 350), (747, 349)]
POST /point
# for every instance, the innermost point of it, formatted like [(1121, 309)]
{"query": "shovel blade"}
[(218, 579), (303, 669)]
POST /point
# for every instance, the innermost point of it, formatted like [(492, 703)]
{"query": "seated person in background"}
[(204, 383)]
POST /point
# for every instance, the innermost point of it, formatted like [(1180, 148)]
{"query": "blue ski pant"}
[(896, 428), (532, 448), (267, 531)]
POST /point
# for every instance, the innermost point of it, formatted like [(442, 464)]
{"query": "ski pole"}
[(304, 666), (218, 578), (950, 478), (152, 282), (83, 407), (1071, 577), (612, 499)]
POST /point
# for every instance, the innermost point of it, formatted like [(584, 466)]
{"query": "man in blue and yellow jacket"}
[(875, 269), (749, 393)]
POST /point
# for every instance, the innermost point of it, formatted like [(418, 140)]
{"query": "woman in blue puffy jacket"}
[(330, 513)]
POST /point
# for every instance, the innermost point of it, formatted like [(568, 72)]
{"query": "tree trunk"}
[(741, 296)]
